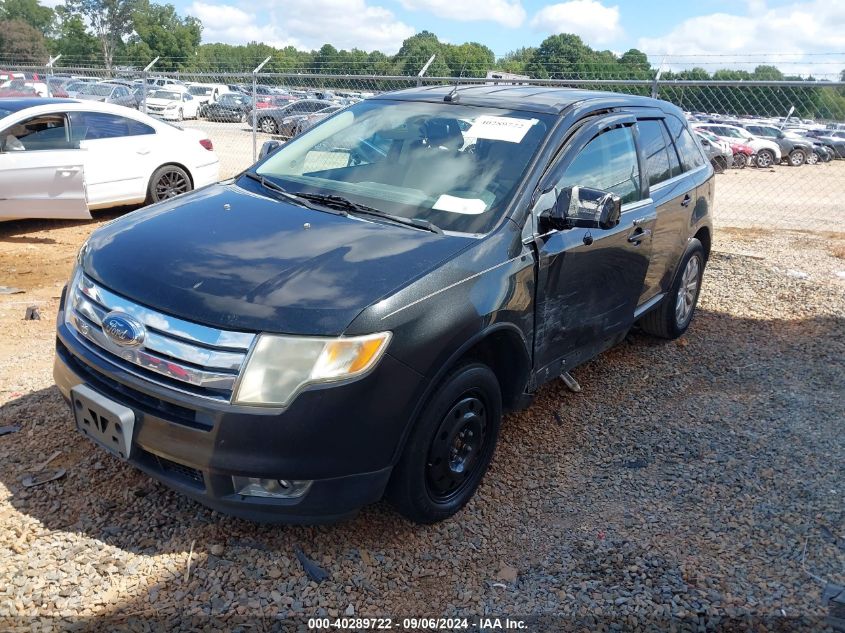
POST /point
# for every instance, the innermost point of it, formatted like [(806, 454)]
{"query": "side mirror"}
[(268, 147), (583, 207)]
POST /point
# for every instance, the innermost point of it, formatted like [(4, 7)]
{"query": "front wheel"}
[(797, 158), (167, 182), (267, 125), (765, 158), (740, 160), (450, 447), (674, 314)]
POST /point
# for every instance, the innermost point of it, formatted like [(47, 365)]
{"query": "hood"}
[(254, 266), (161, 102), (87, 97)]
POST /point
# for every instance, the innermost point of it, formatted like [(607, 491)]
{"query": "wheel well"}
[(703, 236), (504, 352), (180, 166)]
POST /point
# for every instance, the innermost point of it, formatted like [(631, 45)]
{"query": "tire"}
[(797, 158), (665, 320), (765, 158), (167, 182), (813, 158), (740, 161), (719, 163), (450, 447), (831, 154), (180, 116), (268, 125)]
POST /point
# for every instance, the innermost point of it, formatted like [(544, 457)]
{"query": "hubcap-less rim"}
[(797, 158), (171, 184), (687, 292), (813, 158), (763, 159), (267, 126), (457, 448)]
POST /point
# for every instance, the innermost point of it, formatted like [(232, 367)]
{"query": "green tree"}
[(72, 39), (562, 56), (416, 51), (29, 11), (517, 61), (22, 42), (469, 60), (111, 21), (159, 31)]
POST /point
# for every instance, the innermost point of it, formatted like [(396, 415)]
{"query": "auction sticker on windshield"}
[(468, 206), (500, 128)]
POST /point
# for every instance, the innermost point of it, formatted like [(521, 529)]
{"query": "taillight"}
[(207, 144)]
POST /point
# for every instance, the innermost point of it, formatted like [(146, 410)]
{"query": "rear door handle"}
[(685, 202), (638, 235), (67, 171)]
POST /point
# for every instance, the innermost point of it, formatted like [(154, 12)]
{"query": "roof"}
[(14, 104), (544, 99)]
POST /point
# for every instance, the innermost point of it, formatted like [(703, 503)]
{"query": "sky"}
[(798, 36)]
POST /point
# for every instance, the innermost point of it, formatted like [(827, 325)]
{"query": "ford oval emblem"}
[(123, 330)]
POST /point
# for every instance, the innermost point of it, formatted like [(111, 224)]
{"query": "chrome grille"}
[(205, 360)]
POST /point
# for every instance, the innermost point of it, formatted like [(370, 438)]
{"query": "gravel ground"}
[(700, 480)]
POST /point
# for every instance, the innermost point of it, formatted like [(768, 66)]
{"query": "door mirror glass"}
[(583, 207), (268, 148)]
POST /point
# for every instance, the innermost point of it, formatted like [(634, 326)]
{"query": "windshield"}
[(455, 166), (201, 91), (233, 100), (97, 89), (169, 95)]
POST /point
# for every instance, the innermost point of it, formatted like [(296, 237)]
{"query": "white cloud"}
[(785, 34), (305, 24), (506, 13), (589, 19)]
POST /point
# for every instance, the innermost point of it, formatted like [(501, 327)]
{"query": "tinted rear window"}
[(87, 126), (653, 143), (689, 151)]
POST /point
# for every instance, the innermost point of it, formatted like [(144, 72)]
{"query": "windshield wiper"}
[(345, 204), (283, 193)]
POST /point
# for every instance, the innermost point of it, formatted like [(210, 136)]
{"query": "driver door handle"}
[(638, 235)]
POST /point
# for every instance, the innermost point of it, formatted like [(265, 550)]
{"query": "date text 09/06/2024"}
[(415, 624)]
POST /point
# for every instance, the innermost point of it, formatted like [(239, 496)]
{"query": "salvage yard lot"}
[(698, 478)]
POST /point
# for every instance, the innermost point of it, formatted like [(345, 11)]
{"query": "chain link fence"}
[(788, 190)]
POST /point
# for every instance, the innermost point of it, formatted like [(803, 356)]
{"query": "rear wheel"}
[(450, 447), (765, 158), (797, 158), (268, 125), (674, 314), (168, 181), (740, 160)]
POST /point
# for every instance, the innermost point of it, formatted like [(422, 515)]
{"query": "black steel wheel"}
[(450, 447), (167, 182)]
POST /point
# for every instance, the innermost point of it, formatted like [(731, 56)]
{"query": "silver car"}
[(108, 93)]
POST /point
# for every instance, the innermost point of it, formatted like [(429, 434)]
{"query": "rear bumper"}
[(344, 439)]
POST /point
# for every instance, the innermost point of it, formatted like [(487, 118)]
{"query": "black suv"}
[(350, 317)]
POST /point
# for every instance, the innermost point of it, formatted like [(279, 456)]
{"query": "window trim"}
[(68, 134)]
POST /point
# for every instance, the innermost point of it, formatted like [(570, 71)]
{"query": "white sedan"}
[(59, 158), (173, 103)]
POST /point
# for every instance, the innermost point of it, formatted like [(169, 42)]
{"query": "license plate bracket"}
[(108, 423)]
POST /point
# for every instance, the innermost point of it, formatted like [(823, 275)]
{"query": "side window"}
[(44, 132), (688, 150), (609, 163), (653, 143), (88, 126), (674, 163)]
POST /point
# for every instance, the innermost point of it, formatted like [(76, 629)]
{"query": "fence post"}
[(424, 69), (255, 109), (144, 77), (49, 73), (654, 89)]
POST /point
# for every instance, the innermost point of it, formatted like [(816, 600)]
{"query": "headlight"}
[(279, 367)]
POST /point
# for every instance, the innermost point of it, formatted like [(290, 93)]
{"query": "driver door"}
[(590, 280), (41, 171)]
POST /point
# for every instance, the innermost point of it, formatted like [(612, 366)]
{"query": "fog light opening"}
[(270, 488)]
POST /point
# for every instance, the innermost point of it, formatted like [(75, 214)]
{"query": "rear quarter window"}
[(689, 152)]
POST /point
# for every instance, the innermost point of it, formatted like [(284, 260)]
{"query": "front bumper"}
[(345, 438)]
